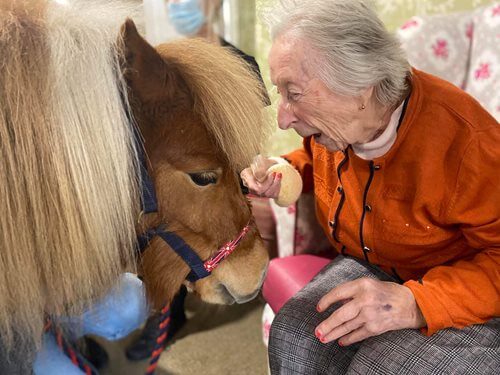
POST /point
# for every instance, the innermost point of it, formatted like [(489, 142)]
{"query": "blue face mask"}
[(186, 16)]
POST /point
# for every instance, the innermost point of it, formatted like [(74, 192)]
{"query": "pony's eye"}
[(203, 178)]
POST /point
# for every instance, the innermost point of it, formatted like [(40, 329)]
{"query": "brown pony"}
[(199, 111), (69, 175)]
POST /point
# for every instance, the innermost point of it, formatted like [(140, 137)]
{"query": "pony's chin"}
[(248, 298), (222, 296), (241, 299)]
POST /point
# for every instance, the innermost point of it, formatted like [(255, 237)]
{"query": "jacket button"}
[(340, 189), (331, 223), (366, 249), (368, 208)]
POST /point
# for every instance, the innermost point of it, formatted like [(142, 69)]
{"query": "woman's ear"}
[(365, 97)]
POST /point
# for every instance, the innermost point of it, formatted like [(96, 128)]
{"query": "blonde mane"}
[(226, 95), (68, 190), (68, 164)]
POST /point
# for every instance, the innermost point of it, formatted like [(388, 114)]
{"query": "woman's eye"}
[(203, 178), (294, 96)]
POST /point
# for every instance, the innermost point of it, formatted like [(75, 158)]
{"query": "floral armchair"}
[(463, 48)]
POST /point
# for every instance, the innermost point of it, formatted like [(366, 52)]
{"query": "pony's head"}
[(199, 110), (69, 193)]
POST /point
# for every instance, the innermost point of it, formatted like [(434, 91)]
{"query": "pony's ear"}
[(148, 75)]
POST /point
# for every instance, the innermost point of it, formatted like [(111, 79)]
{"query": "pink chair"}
[(286, 276)]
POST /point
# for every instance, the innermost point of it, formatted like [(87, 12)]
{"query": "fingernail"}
[(340, 344), (318, 334), (323, 340), (318, 309)]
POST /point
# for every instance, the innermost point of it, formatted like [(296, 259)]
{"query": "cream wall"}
[(392, 12)]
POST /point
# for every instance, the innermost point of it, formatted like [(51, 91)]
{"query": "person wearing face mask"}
[(198, 18), (190, 18), (195, 18), (404, 167)]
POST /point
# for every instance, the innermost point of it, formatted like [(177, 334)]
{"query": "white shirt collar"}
[(380, 145)]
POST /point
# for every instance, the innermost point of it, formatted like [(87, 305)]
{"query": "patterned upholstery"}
[(463, 48), (483, 81)]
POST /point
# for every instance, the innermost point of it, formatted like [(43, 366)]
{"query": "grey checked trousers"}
[(293, 348)]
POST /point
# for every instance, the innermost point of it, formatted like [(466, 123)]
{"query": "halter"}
[(199, 269)]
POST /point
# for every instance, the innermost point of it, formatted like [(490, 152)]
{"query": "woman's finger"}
[(275, 187), (356, 336), (342, 330), (337, 319), (260, 188), (259, 167), (344, 291)]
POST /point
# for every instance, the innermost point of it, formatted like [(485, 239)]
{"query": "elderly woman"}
[(405, 171)]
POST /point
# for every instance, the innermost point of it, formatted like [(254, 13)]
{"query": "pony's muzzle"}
[(238, 298)]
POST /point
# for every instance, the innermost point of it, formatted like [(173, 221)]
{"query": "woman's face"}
[(309, 106)]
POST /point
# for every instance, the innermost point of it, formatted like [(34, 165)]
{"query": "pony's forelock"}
[(226, 95)]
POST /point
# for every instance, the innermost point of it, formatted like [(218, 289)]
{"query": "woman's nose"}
[(286, 117)]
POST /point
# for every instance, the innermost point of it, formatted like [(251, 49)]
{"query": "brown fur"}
[(199, 109), (68, 177)]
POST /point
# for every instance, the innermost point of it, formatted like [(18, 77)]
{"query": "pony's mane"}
[(68, 190), (226, 95)]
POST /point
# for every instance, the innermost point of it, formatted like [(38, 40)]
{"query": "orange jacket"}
[(428, 211)]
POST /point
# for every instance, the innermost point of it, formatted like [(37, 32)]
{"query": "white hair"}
[(68, 167), (355, 49)]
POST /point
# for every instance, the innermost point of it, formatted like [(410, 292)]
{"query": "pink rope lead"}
[(225, 250), (209, 265)]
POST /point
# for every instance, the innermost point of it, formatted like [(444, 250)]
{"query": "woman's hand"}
[(371, 307), (257, 179)]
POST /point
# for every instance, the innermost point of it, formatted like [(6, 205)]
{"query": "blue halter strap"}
[(149, 205), (182, 249)]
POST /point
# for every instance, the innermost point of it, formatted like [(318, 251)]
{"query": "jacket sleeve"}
[(301, 159), (467, 292)]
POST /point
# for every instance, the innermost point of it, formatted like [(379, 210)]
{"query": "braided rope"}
[(83, 364), (76, 358), (160, 340)]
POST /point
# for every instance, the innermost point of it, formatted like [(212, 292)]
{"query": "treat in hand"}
[(273, 178), (291, 183)]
